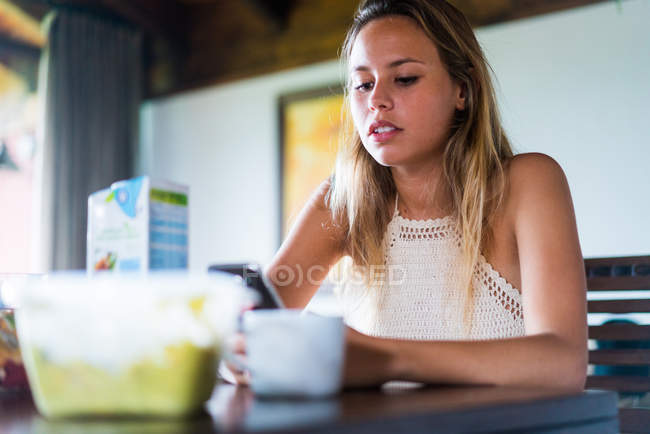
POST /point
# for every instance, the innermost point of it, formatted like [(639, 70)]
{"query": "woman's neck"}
[(423, 192)]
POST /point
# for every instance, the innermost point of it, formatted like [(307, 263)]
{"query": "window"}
[(20, 46)]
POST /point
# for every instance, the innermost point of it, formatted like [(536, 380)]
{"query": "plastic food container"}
[(121, 345), (12, 371)]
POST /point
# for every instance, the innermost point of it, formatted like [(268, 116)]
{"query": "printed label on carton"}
[(137, 225)]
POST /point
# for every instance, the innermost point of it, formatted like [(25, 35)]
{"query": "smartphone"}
[(253, 277)]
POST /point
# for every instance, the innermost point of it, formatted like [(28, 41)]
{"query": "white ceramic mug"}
[(294, 353)]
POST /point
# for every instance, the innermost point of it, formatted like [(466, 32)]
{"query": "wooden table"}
[(388, 410)]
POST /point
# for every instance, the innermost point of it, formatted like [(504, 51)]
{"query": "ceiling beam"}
[(19, 26), (229, 40), (195, 43), (277, 11), (163, 22), (487, 12), (232, 40), (159, 18)]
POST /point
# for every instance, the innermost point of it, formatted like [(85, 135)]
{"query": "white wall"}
[(223, 143), (576, 85), (573, 85)]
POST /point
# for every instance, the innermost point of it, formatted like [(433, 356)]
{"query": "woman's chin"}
[(388, 160), (383, 163), (382, 157), (391, 155)]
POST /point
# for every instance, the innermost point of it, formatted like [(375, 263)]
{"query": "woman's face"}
[(402, 99)]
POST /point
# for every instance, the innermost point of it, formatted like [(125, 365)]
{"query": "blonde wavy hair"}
[(474, 155)]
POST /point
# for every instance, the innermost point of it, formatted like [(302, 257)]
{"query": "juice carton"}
[(137, 225)]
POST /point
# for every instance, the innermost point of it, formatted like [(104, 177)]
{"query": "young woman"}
[(470, 264)]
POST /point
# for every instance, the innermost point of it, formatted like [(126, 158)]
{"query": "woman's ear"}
[(463, 90), (461, 96)]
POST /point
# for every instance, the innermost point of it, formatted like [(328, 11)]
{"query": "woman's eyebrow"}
[(393, 64)]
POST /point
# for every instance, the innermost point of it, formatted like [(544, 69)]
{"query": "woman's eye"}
[(363, 86), (407, 80)]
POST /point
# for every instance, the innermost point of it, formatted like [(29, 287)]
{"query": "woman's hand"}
[(236, 345)]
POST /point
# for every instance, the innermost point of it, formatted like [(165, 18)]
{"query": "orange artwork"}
[(310, 126)]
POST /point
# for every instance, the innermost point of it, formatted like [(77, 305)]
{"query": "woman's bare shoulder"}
[(313, 245), (318, 207), (534, 176), (536, 188), (533, 166), (319, 197), (315, 223)]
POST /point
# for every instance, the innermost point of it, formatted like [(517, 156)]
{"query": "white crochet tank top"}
[(422, 297)]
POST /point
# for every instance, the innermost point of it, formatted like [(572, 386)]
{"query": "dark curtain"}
[(92, 97)]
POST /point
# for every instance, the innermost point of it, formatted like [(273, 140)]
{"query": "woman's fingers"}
[(237, 346), (241, 377), (237, 343), (231, 374)]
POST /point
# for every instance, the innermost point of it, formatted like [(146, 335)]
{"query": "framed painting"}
[(310, 124)]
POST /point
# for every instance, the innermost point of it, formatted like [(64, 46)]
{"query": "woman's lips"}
[(382, 131), (383, 134)]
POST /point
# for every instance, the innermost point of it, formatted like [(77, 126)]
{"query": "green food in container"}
[(177, 385), (125, 345)]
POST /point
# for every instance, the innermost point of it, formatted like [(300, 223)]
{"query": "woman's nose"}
[(380, 99)]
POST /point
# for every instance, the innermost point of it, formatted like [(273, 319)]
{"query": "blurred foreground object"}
[(12, 371), (119, 345)]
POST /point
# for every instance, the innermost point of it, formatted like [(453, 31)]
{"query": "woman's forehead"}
[(384, 41)]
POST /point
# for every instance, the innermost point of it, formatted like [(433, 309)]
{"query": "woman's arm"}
[(554, 351), (302, 263), (312, 247)]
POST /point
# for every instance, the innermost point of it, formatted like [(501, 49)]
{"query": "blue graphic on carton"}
[(160, 258), (168, 224), (168, 238), (131, 264), (126, 194)]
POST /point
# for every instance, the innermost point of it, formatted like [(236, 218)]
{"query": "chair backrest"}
[(622, 357)]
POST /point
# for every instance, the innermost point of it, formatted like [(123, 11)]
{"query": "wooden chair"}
[(622, 360)]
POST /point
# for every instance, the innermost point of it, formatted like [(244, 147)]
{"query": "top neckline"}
[(437, 220)]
